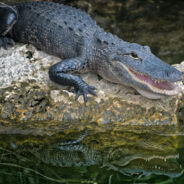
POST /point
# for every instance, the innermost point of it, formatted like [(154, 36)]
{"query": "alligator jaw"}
[(158, 88)]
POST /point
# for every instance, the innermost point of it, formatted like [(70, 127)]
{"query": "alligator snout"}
[(173, 75)]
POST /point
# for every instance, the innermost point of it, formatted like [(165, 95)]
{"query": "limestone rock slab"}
[(30, 102)]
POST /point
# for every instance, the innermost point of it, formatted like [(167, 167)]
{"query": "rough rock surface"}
[(30, 102)]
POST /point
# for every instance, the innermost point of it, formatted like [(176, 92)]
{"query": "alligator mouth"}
[(161, 87)]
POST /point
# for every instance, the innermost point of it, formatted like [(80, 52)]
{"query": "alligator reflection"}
[(135, 155)]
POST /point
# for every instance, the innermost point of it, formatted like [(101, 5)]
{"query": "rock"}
[(31, 103)]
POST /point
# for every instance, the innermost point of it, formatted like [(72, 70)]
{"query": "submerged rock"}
[(30, 102)]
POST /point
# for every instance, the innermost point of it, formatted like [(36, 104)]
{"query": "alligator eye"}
[(134, 55)]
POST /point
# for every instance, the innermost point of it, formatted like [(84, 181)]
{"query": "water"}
[(87, 157)]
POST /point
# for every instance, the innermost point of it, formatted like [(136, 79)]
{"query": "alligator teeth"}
[(160, 87)]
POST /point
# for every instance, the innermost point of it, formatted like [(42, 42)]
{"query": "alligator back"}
[(57, 29)]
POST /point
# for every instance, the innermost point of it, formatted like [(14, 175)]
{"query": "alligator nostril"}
[(173, 75)]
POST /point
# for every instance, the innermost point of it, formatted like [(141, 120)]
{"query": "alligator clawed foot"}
[(5, 42), (84, 90)]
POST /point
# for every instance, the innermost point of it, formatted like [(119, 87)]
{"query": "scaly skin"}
[(72, 35)]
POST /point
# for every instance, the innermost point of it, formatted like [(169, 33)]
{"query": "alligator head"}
[(8, 17), (136, 66)]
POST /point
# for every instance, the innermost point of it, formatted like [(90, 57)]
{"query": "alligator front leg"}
[(61, 74), (5, 41), (8, 17)]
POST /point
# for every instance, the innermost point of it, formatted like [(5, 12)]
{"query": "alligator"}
[(83, 46)]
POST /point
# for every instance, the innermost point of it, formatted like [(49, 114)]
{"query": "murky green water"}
[(85, 157)]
